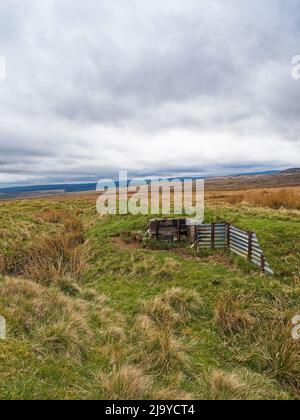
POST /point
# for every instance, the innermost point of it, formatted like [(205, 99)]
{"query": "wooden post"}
[(213, 235), (250, 243), (178, 230), (228, 235), (196, 233), (156, 230), (262, 263), (189, 234)]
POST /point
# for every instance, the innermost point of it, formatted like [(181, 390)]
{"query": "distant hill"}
[(291, 171), (287, 178)]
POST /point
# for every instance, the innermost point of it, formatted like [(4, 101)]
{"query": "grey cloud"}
[(94, 86)]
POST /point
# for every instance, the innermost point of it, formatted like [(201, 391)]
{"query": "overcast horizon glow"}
[(155, 88)]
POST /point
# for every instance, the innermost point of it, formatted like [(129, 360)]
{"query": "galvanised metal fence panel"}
[(215, 235), (212, 235), (244, 244)]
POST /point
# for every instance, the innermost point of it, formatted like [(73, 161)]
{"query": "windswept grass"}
[(231, 316), (49, 320), (51, 258), (238, 385), (125, 383), (88, 318), (277, 353), (161, 349), (275, 198)]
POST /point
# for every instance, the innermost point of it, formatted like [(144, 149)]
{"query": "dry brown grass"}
[(48, 319), (160, 349), (231, 315), (160, 313), (238, 385), (235, 198), (125, 383), (53, 216), (281, 198), (53, 258), (187, 303), (261, 338), (274, 198), (276, 353)]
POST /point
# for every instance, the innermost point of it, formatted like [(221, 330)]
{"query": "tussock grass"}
[(262, 339), (53, 216), (168, 268), (238, 385), (125, 383), (187, 303), (161, 313), (144, 264), (54, 257), (60, 335), (231, 315), (277, 354), (114, 335), (51, 321), (282, 198), (51, 258), (160, 348), (12, 261)]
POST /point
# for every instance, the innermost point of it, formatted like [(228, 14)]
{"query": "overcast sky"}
[(154, 87)]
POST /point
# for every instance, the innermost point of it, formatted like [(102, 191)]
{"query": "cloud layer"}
[(152, 87)]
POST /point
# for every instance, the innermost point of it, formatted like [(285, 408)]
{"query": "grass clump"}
[(277, 354), (187, 303), (44, 316), (238, 385), (125, 383), (53, 216), (276, 198), (231, 315), (161, 349), (54, 257)]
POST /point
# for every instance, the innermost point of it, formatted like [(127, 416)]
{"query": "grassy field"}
[(92, 315)]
